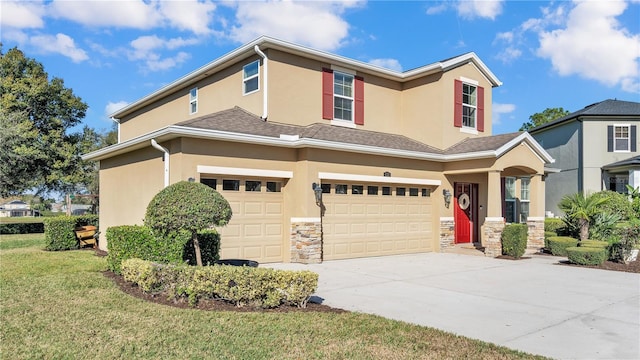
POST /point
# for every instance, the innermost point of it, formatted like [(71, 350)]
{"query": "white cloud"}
[(22, 15), (127, 14), (437, 9), (391, 64), (193, 16), (471, 9), (148, 48), (500, 109), (315, 23), (509, 54), (114, 106), (59, 44), (593, 45), (167, 63)]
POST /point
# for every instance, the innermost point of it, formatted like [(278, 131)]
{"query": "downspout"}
[(166, 160), (117, 122), (265, 93)]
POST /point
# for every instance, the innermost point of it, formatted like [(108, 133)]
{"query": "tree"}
[(36, 115), (582, 209), (548, 115), (187, 206)]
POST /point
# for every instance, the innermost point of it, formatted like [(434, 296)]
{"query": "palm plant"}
[(582, 209)]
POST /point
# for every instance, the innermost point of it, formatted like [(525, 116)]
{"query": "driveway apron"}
[(534, 305)]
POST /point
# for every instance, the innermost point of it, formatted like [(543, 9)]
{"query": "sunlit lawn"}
[(58, 305)]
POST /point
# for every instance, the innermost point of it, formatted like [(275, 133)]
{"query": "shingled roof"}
[(604, 108), (485, 143), (632, 161), (238, 120)]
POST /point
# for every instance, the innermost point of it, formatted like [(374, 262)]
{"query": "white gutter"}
[(166, 160), (265, 82)]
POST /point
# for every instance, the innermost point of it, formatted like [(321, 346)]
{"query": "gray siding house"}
[(596, 148)]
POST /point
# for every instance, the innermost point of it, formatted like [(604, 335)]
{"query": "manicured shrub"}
[(134, 241), (22, 228), (626, 238), (188, 206), (553, 224), (514, 240), (615, 203), (547, 235), (585, 255), (559, 244), (240, 285), (59, 231)]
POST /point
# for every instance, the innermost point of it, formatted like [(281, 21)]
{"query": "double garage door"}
[(256, 230), (369, 219)]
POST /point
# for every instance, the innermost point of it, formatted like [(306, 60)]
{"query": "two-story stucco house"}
[(405, 161), (596, 148)]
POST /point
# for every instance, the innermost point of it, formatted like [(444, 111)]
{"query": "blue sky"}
[(547, 53)]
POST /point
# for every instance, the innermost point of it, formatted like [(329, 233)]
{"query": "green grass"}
[(58, 305), (21, 220)]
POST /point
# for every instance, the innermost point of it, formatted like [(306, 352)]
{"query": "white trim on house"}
[(378, 179), (305, 219), (279, 174), (446, 218), (469, 81)]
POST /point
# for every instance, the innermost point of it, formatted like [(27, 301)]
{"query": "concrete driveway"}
[(534, 305)]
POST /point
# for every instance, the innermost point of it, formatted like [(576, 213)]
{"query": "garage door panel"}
[(254, 230), (374, 225), (273, 229)]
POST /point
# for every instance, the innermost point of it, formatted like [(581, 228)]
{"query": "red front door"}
[(464, 212)]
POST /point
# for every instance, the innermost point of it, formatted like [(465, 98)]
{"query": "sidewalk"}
[(534, 305)]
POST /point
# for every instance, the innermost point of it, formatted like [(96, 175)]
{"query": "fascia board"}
[(533, 144), (451, 63)]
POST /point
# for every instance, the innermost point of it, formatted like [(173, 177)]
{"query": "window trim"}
[(524, 200), (628, 138), (511, 200), (348, 98), (193, 101), (246, 79), (474, 107)]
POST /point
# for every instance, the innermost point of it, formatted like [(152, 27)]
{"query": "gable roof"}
[(266, 42), (610, 107), (238, 125)]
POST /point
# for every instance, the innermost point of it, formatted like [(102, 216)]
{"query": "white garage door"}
[(368, 219), (255, 231)]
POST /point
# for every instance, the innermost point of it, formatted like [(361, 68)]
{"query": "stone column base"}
[(535, 237), (306, 240), (447, 233), (492, 231)]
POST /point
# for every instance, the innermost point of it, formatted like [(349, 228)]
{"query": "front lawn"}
[(59, 305)]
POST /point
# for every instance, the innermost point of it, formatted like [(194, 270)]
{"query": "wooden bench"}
[(86, 235)]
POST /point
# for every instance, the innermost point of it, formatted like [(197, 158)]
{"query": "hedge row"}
[(558, 244), (585, 255), (514, 240), (240, 285), (59, 231), (135, 241), (21, 228), (553, 224)]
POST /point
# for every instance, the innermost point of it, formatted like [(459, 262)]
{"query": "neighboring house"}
[(405, 161), (595, 148), (16, 208)]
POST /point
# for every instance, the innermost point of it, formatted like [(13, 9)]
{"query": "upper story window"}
[(468, 114), (469, 105), (622, 138), (342, 97), (251, 77), (193, 101)]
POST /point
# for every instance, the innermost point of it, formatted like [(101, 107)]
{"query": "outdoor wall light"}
[(317, 191), (386, 174), (192, 179), (447, 197)]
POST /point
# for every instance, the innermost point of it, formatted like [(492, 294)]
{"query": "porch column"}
[(535, 220), (493, 223)]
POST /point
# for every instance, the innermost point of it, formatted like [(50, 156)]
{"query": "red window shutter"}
[(327, 94), (480, 110), (359, 100), (457, 110)]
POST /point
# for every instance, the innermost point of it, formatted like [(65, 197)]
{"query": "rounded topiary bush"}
[(188, 206), (514, 240), (559, 244), (585, 255)]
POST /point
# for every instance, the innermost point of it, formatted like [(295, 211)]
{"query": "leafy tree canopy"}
[(36, 115), (548, 115)]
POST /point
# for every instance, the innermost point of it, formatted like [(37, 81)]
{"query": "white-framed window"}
[(193, 101), (525, 197), (621, 138), (342, 96), (251, 78), (469, 105), (510, 199)]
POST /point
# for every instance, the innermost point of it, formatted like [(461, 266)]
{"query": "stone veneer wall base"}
[(306, 240), (447, 233), (492, 237), (535, 234)]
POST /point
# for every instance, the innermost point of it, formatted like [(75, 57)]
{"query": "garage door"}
[(255, 231), (368, 219)]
